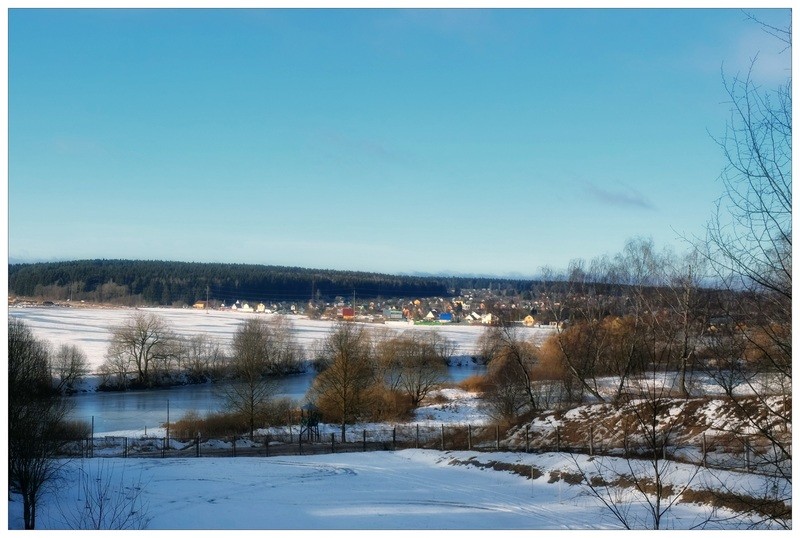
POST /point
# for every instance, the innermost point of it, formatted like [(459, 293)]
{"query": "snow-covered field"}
[(90, 328), (410, 489)]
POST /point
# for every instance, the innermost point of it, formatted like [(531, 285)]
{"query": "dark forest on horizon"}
[(133, 282)]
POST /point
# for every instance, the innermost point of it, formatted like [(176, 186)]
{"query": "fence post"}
[(125, 449), (163, 446), (558, 439), (591, 439), (394, 438), (625, 443), (197, 446), (333, 443), (234, 446), (442, 437), (746, 455), (497, 435), (364, 440), (417, 443), (267, 439), (527, 438), (469, 436), (300, 442), (703, 448)]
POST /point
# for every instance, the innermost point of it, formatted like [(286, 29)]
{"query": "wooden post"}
[(703, 448), (364, 441), (197, 446), (497, 435), (469, 436), (300, 442), (234, 446), (333, 441), (527, 438), (558, 439), (125, 447), (417, 443), (591, 439), (442, 436), (163, 446), (394, 438), (746, 455)]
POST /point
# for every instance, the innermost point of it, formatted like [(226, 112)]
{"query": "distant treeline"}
[(168, 283)]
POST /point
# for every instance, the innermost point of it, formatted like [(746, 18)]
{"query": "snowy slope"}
[(412, 489)]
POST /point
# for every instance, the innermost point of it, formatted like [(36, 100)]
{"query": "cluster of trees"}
[(38, 429), (133, 282), (40, 435), (364, 375), (262, 348), (145, 352)]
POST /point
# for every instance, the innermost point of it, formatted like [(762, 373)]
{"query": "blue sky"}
[(456, 141)]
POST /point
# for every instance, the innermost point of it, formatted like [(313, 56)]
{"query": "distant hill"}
[(168, 283)]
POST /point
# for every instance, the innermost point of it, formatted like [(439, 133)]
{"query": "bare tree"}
[(342, 389), (412, 365), (512, 361), (67, 366), (144, 340), (36, 419), (260, 348), (749, 249), (202, 358), (104, 502), (581, 299), (650, 430)]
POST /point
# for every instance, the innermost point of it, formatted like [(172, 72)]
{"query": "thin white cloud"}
[(769, 56)]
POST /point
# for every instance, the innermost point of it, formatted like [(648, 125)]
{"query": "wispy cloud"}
[(77, 145), (626, 196), (356, 148), (758, 49)]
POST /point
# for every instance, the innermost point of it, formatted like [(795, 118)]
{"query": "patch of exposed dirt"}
[(719, 424), (527, 471)]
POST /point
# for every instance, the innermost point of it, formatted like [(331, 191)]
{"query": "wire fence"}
[(744, 453)]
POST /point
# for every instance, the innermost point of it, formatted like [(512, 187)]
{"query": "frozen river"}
[(147, 409)]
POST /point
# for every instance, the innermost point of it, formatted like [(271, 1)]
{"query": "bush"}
[(475, 383), (279, 412), (211, 426), (391, 406), (216, 425), (74, 430)]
